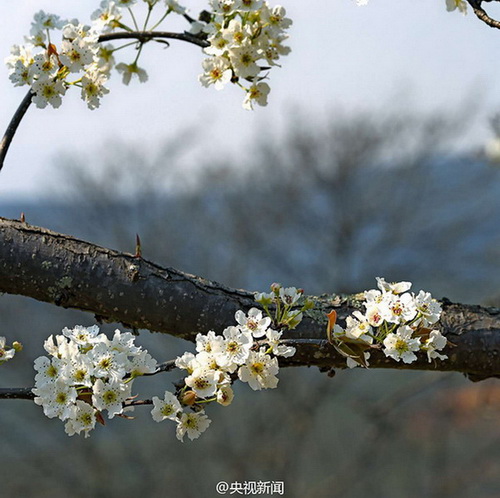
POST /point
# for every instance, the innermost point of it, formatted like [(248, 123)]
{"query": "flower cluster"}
[(49, 69), (246, 39), (284, 300), (86, 374), (396, 320), (247, 351)]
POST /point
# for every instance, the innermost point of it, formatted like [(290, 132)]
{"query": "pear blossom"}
[(192, 424), (461, 5), (107, 17), (217, 72), (166, 408), (81, 335), (395, 288), (57, 398), (401, 345), (428, 308), (108, 363), (244, 60), (235, 348), (48, 370), (82, 419), (5, 353), (225, 395), (257, 93), (203, 382), (128, 70), (358, 327), (402, 308), (187, 362), (289, 295), (253, 322), (259, 371), (21, 74), (77, 54), (43, 21), (248, 5), (110, 396), (276, 346), (208, 342), (174, 6), (48, 92), (433, 344)]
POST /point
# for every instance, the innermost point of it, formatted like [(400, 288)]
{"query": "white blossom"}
[(289, 295), (82, 419), (48, 92), (203, 382), (428, 308), (225, 395), (257, 93), (217, 72), (259, 371), (110, 396), (433, 344), (166, 408), (276, 346), (192, 424), (57, 398), (253, 322), (128, 70), (395, 288), (401, 345), (235, 348), (5, 353), (461, 5)]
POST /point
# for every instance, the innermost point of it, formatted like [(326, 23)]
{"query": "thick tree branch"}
[(118, 287)]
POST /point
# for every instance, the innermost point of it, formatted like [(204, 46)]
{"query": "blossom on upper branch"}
[(246, 37), (461, 5)]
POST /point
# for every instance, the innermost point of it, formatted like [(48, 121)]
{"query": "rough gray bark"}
[(118, 287)]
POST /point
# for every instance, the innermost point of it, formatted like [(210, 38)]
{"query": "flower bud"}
[(276, 288), (188, 398)]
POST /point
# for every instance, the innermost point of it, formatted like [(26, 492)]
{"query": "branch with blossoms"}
[(243, 40), (139, 294), (87, 374)]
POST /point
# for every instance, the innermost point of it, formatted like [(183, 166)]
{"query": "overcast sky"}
[(342, 55)]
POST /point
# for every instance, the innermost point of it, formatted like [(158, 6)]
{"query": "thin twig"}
[(145, 36), (17, 393)]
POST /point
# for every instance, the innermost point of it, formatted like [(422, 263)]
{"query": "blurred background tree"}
[(327, 206)]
